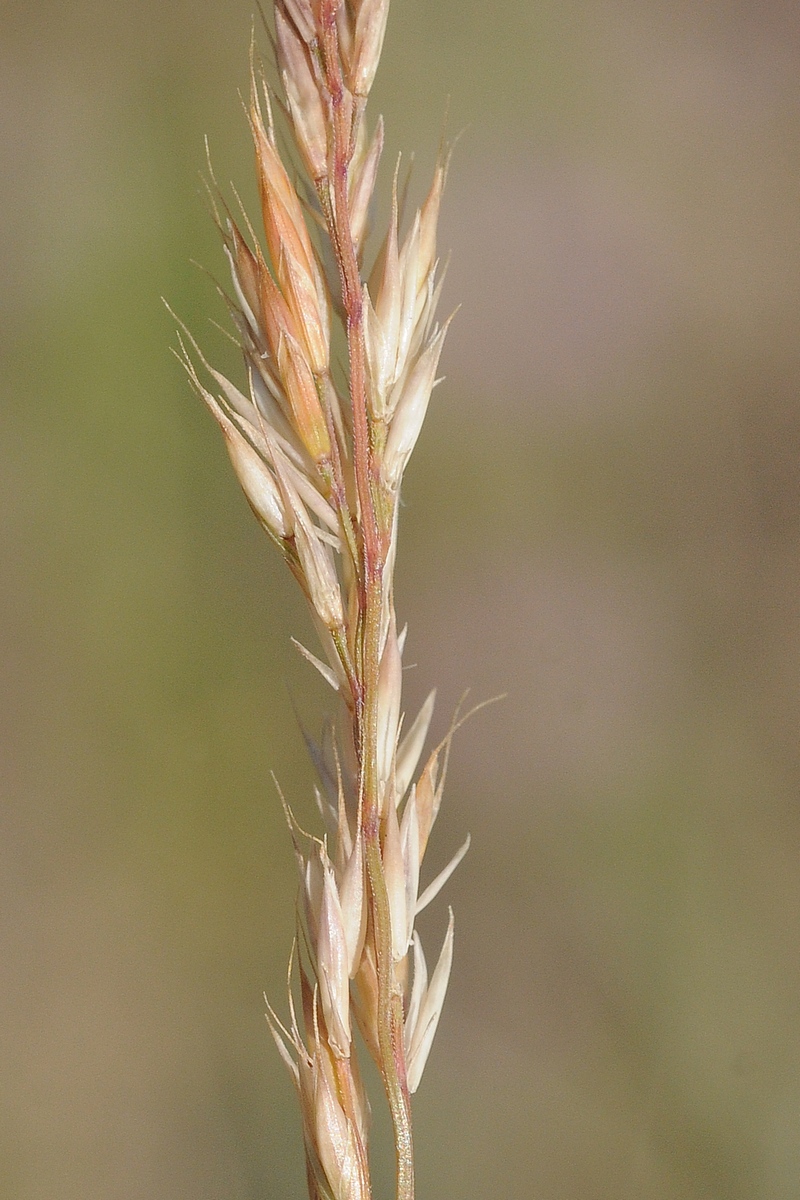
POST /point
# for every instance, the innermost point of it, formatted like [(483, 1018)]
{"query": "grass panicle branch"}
[(321, 462)]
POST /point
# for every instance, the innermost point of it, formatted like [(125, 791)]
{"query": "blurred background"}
[(602, 520)]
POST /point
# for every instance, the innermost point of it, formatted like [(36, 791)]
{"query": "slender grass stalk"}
[(320, 456)]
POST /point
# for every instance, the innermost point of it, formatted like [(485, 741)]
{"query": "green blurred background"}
[(602, 519)]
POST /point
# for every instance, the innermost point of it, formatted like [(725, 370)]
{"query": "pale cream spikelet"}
[(409, 411), (395, 873), (337, 1138), (425, 1006), (333, 965), (410, 749), (258, 483), (334, 1108), (354, 906), (365, 43), (300, 85)]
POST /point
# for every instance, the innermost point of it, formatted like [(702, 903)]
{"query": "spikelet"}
[(321, 465)]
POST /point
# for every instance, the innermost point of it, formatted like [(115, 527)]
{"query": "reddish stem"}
[(373, 556)]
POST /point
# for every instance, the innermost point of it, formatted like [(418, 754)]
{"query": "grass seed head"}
[(322, 466)]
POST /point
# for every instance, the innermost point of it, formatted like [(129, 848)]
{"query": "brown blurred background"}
[(602, 519)]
